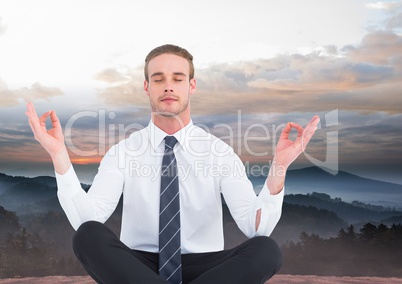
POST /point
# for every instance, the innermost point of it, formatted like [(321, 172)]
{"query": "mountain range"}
[(315, 202), (344, 185), (18, 193)]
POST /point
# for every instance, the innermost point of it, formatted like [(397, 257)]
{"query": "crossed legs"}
[(107, 260)]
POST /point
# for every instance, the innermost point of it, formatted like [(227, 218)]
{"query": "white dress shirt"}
[(207, 167)]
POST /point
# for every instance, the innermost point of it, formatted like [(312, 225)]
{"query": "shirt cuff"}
[(271, 209), (273, 201), (68, 184)]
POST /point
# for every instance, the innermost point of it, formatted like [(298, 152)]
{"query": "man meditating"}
[(171, 229)]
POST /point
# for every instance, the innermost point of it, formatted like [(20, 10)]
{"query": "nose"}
[(168, 85)]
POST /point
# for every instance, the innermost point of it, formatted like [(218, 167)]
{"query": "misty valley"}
[(323, 231)]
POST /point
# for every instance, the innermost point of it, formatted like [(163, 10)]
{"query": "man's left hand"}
[(287, 150)]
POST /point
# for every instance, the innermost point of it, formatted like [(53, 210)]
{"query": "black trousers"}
[(107, 260)]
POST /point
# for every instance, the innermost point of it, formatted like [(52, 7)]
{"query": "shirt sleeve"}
[(271, 210), (243, 203), (101, 199)]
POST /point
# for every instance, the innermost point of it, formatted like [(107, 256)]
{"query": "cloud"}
[(395, 21), (384, 5), (130, 93), (12, 97), (394, 13), (111, 75), (365, 78), (17, 142), (379, 47), (124, 87), (374, 134)]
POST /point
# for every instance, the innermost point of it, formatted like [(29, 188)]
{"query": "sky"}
[(259, 64)]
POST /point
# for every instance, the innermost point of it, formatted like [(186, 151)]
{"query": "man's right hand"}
[(51, 139)]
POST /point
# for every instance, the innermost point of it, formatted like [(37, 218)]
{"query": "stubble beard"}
[(163, 113)]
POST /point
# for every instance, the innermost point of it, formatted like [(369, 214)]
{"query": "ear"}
[(193, 86), (146, 87)]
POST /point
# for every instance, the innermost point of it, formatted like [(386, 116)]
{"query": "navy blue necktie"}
[(169, 217)]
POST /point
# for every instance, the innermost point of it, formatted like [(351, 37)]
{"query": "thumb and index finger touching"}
[(308, 131), (290, 125), (39, 123), (53, 118)]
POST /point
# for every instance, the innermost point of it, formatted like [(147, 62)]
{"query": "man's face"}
[(169, 87)]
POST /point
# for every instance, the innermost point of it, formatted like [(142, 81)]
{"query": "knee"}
[(88, 236), (268, 252)]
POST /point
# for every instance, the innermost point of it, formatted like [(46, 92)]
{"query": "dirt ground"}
[(277, 279)]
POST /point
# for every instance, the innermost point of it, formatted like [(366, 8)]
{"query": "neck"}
[(170, 124)]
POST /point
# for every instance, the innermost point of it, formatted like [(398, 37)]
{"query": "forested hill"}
[(38, 195), (353, 212), (29, 195), (35, 235)]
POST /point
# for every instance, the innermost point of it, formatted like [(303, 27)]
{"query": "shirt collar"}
[(156, 135)]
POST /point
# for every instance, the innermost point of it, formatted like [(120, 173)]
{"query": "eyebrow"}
[(174, 73)]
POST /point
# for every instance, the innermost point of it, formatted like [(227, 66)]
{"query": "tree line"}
[(37, 251), (42, 247), (373, 251)]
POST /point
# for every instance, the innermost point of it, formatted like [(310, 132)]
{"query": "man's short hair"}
[(171, 49)]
